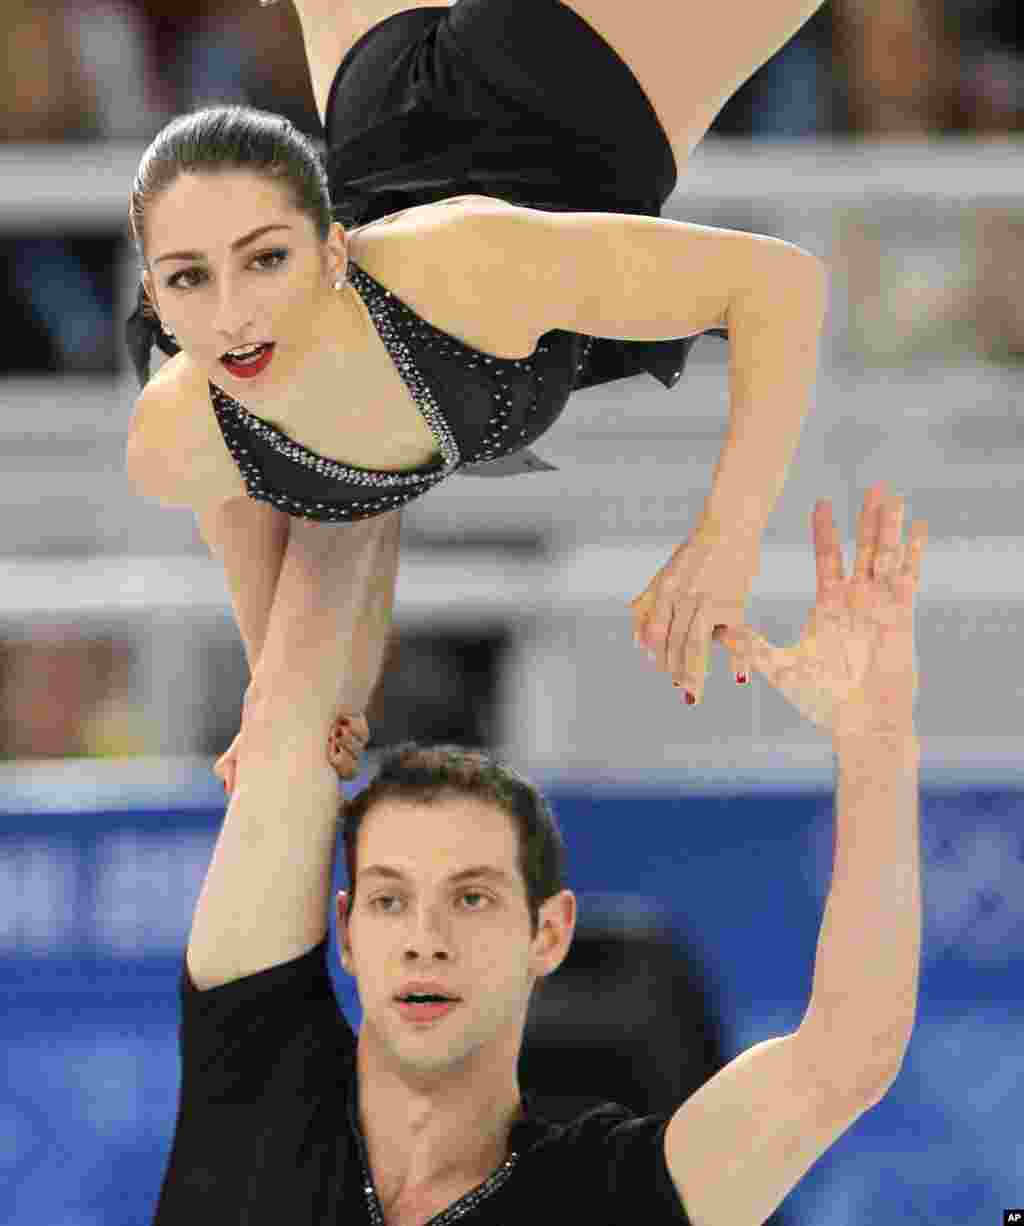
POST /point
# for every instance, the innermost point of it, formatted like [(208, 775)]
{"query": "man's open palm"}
[(853, 669)]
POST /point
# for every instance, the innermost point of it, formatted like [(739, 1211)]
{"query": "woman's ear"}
[(336, 242)]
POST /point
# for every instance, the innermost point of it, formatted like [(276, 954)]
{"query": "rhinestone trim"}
[(390, 317), (457, 1209)]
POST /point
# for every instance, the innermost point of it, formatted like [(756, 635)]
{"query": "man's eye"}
[(278, 256), (388, 897)]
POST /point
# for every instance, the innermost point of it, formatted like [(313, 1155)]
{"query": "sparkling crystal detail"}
[(396, 323)]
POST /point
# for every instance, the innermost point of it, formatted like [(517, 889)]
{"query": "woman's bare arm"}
[(676, 279)]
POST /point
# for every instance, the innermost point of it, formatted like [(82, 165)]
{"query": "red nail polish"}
[(741, 678), (690, 700)]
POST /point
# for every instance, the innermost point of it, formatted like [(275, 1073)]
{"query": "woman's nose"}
[(233, 317)]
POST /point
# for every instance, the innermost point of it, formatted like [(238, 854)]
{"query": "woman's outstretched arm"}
[(676, 279)]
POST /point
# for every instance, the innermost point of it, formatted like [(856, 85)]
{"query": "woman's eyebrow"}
[(244, 241)]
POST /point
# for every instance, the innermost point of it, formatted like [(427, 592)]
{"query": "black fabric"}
[(486, 411), (477, 99), (268, 1125)]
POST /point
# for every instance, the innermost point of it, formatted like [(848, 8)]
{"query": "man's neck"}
[(427, 1140)]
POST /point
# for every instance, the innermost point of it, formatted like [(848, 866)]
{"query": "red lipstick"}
[(249, 370)]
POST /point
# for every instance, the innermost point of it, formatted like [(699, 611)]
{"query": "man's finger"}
[(867, 530), (828, 548)]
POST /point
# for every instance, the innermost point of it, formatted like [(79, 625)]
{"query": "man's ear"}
[(341, 902)]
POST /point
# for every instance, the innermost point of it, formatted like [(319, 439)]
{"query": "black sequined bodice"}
[(493, 407)]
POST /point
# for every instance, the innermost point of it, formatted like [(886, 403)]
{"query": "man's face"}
[(470, 935)]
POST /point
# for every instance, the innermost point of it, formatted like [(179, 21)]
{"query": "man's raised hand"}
[(853, 669)]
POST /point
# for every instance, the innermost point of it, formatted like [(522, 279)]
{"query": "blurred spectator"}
[(113, 46), (788, 97), (789, 101), (889, 68), (256, 57), (203, 52), (63, 695), (995, 302), (47, 94), (59, 298), (993, 78), (898, 64)]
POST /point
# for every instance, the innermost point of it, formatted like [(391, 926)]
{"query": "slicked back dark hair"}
[(426, 774)]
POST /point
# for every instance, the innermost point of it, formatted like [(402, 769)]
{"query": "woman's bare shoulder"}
[(175, 451), (456, 262)]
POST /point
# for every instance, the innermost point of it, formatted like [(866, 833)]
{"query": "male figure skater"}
[(286, 1116)]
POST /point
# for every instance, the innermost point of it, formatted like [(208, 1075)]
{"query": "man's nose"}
[(428, 931)]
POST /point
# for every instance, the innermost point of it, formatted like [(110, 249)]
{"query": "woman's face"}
[(215, 294)]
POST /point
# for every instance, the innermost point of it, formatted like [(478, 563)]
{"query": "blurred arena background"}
[(887, 138)]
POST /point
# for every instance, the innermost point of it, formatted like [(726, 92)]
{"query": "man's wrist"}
[(898, 738)]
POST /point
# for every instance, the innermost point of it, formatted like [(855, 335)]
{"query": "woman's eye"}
[(278, 256)]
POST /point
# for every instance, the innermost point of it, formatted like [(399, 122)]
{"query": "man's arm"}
[(864, 995), (742, 1142), (266, 896)]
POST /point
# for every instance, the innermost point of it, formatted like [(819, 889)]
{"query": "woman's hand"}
[(853, 670), (705, 584), (346, 742)]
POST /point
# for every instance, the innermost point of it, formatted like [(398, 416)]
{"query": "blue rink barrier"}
[(95, 909)]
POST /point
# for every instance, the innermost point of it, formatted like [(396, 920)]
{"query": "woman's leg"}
[(691, 58)]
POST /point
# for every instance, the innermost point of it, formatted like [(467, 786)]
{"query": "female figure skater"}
[(501, 166)]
